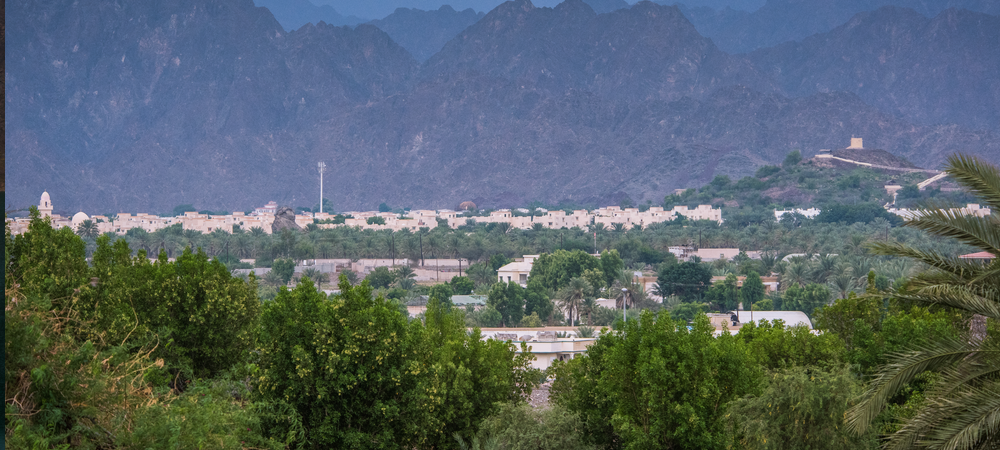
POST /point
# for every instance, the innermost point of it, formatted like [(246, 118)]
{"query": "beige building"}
[(770, 283), (413, 220), (715, 254), (517, 271)]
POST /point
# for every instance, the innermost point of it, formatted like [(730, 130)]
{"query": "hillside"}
[(940, 70), (149, 106)]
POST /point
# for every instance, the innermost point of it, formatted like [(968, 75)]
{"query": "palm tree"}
[(318, 277), (87, 229), (795, 273), (587, 308), (571, 297), (962, 408), (843, 283)]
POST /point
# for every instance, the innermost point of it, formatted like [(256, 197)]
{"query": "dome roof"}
[(465, 206), (79, 217), (45, 202)]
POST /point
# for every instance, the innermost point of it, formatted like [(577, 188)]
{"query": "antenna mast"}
[(322, 168)]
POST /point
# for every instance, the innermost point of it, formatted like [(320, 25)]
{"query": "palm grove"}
[(124, 351)]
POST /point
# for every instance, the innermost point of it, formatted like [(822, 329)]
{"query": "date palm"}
[(87, 229), (571, 297), (962, 408)]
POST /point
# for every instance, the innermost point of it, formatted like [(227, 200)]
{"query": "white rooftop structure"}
[(791, 318)]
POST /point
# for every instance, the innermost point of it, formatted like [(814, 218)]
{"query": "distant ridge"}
[(147, 105)]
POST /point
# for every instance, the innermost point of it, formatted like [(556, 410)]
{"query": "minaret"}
[(45, 205)]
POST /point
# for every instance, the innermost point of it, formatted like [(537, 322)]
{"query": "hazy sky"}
[(377, 9)]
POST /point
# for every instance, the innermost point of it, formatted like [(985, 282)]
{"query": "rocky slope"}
[(940, 70), (644, 53), (143, 106)]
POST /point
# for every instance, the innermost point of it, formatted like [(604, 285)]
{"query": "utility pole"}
[(624, 307), (322, 168), (421, 248)]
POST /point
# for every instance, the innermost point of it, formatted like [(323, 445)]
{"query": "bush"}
[(352, 372), (766, 171), (803, 407), (532, 321), (793, 159), (462, 285), (197, 315), (519, 426), (284, 268), (657, 384)]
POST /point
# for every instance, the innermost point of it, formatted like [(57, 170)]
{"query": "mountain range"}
[(145, 105)]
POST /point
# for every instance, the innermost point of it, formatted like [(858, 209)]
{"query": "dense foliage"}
[(124, 351), (657, 384), (351, 372)]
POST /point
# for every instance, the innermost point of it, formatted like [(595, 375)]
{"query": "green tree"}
[(480, 273), (611, 265), (752, 290), (375, 220), (316, 275), (340, 373), (688, 280), (537, 301), (657, 384), (87, 229), (801, 408), (805, 299), (497, 261), (488, 317), (961, 406), (531, 321), (571, 297), (204, 319), (724, 294), (442, 292), (555, 270), (508, 300), (47, 261), (469, 376), (687, 311), (284, 268), (793, 159), (380, 277), (462, 285), (519, 426), (777, 346)]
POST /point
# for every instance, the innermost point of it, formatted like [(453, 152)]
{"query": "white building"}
[(810, 213)]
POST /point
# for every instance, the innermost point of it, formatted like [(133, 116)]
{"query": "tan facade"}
[(412, 220)]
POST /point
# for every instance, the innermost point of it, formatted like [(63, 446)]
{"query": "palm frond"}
[(957, 297), (979, 232), (903, 368), (963, 269), (964, 420), (980, 177), (970, 371)]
